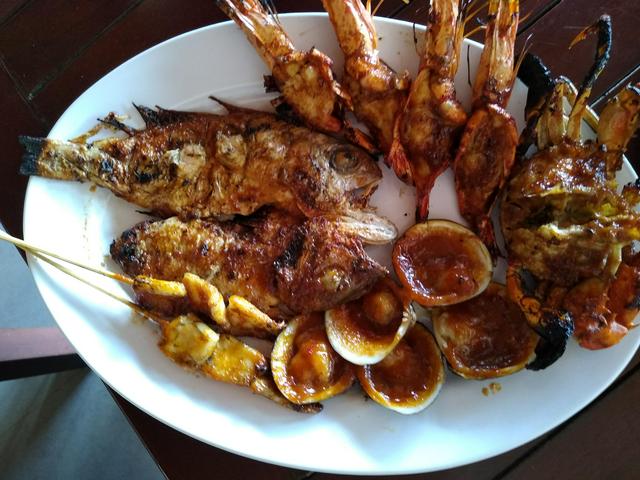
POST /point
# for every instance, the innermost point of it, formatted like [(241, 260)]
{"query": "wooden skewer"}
[(134, 306), (33, 249)]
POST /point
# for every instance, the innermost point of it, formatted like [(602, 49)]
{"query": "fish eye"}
[(344, 160)]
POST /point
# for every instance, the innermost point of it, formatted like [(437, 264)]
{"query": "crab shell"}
[(305, 367), (486, 337), (442, 263), (410, 377), (365, 330)]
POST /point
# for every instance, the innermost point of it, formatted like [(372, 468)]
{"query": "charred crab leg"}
[(378, 93), (192, 344), (305, 79), (488, 145), (425, 130), (603, 28)]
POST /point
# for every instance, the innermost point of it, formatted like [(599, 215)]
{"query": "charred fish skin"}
[(200, 165), (283, 265)]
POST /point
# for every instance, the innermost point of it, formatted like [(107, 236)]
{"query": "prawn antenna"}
[(523, 53), (270, 7)]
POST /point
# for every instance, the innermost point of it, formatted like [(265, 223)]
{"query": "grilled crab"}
[(568, 229)]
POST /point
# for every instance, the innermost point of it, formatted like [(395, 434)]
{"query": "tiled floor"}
[(61, 426)]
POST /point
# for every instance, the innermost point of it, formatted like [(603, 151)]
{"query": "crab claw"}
[(555, 328), (553, 325)]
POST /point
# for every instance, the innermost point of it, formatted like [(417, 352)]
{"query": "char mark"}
[(125, 252), (289, 258), (555, 330), (32, 149)]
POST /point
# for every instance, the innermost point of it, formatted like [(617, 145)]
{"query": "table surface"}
[(53, 50)]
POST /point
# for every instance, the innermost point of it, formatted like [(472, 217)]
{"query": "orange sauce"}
[(439, 266), (409, 372), (486, 334)]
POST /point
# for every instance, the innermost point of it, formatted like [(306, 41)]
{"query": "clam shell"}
[(409, 379), (365, 330)]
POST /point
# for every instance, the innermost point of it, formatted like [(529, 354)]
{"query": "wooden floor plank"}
[(180, 456), (9, 8), (600, 443), (16, 119), (34, 47), (150, 23)]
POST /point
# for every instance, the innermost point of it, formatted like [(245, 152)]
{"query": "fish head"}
[(334, 177), (323, 266)]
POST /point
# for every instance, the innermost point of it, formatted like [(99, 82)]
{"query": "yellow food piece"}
[(188, 341)]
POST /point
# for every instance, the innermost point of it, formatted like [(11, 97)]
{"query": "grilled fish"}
[(283, 265), (199, 165)]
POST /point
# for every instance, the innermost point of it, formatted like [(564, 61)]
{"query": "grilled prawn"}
[(281, 265), (426, 128), (198, 165), (378, 93), (488, 145), (568, 229), (305, 79)]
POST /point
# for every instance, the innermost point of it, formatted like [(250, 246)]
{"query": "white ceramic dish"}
[(351, 435)]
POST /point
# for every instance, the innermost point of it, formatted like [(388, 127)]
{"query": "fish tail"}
[(32, 149)]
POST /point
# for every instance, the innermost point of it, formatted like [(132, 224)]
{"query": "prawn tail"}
[(358, 137), (487, 235), (33, 147), (397, 160), (423, 193)]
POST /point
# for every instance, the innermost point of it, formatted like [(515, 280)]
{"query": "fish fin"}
[(233, 108), (368, 226), (112, 121), (32, 149), (160, 116)]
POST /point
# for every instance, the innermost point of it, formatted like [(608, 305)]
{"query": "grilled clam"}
[(365, 330), (442, 263), (305, 367), (486, 337), (410, 377)]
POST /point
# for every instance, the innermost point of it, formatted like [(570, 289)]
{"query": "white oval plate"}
[(351, 435)]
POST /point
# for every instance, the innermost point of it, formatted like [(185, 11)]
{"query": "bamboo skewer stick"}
[(33, 249), (134, 306)]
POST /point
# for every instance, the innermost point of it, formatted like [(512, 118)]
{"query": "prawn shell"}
[(486, 337), (442, 263), (409, 379), (365, 330), (305, 339)]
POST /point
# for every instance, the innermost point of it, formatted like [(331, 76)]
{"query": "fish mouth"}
[(361, 187)]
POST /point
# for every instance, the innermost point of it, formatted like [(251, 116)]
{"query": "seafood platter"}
[(415, 251)]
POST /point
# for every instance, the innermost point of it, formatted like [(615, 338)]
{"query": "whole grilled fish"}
[(200, 165), (281, 264)]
